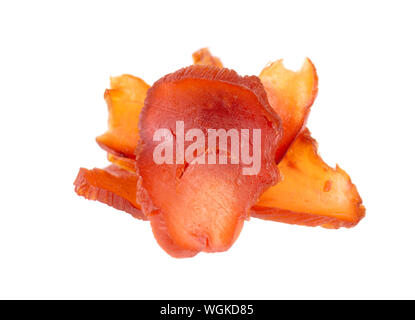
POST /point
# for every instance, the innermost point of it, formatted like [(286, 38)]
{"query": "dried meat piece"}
[(122, 162), (113, 186), (310, 193), (125, 100), (291, 94), (204, 57), (197, 207)]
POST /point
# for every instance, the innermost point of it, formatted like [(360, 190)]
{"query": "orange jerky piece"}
[(197, 207), (112, 186), (311, 193), (122, 162), (204, 57), (125, 100), (291, 94)]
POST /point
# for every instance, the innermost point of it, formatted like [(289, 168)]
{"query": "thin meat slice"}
[(122, 162), (113, 186), (192, 206), (291, 94), (125, 100), (311, 193), (204, 57)]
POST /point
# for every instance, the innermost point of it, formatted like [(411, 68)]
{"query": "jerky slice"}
[(197, 207)]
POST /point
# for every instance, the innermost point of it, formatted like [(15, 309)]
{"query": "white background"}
[(56, 58)]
